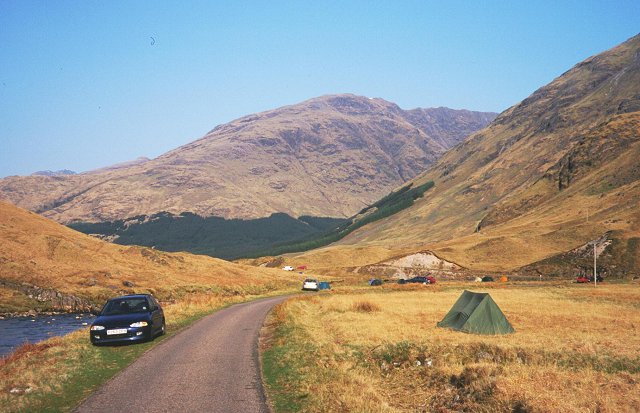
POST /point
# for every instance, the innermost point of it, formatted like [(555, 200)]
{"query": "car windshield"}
[(125, 306)]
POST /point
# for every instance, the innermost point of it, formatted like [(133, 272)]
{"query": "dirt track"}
[(210, 367)]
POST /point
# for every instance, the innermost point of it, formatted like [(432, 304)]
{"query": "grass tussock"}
[(572, 351), (26, 350), (365, 307)]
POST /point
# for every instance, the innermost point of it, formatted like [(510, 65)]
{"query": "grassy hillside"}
[(44, 265), (237, 238), (391, 204), (213, 236), (550, 174)]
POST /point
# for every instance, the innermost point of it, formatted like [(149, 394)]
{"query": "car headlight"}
[(97, 328), (139, 324)]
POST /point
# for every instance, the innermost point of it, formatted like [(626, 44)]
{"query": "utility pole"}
[(595, 273)]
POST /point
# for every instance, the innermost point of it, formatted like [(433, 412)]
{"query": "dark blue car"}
[(128, 319)]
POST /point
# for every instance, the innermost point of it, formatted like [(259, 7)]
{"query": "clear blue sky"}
[(86, 84)]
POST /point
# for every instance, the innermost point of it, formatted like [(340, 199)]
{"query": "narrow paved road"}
[(210, 367)]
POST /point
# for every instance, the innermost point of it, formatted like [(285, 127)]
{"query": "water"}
[(15, 331)]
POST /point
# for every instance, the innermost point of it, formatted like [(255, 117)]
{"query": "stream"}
[(15, 331)]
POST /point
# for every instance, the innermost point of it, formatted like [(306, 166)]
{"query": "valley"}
[(343, 189)]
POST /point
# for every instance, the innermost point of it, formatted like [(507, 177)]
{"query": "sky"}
[(87, 84)]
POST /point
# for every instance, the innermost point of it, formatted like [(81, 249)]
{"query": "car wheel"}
[(163, 329)]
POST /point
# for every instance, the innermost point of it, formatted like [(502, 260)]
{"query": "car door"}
[(157, 316)]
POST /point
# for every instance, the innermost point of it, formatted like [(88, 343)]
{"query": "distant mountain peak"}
[(327, 156), (55, 173)]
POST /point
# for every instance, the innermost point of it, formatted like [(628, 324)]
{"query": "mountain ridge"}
[(327, 156), (548, 175)]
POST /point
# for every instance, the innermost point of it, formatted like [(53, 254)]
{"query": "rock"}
[(20, 390), (127, 283)]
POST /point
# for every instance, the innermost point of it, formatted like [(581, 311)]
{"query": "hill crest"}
[(548, 175)]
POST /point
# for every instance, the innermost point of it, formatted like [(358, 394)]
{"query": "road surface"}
[(211, 366)]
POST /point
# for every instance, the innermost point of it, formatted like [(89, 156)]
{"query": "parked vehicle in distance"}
[(421, 279), (324, 285), (375, 282), (128, 319), (589, 279), (310, 285), (487, 279), (288, 268)]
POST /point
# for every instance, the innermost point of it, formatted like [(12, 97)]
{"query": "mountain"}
[(138, 161), (55, 173), (328, 156), (45, 265), (530, 192)]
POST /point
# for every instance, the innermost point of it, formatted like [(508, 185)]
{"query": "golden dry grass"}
[(36, 251), (575, 349), (365, 307)]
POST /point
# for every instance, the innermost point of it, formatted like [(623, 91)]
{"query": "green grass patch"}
[(283, 367), (98, 366)]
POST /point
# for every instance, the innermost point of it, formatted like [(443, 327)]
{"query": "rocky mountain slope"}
[(328, 156), (45, 265), (549, 175)]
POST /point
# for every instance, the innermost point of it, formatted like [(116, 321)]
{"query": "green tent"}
[(476, 313)]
